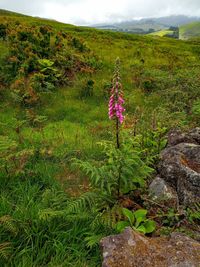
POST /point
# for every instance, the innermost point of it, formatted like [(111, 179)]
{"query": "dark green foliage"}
[(104, 175), (152, 142), (2, 31), (193, 214), (94, 62), (13, 158), (196, 110), (107, 87), (87, 90), (171, 218), (80, 46)]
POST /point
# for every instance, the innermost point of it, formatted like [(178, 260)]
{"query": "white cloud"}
[(88, 11), (97, 11)]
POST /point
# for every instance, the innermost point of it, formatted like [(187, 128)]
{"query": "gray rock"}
[(195, 135), (180, 167), (176, 137), (132, 249), (161, 192)]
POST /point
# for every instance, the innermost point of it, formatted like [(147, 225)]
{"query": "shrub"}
[(87, 90), (80, 46), (3, 33), (107, 87)]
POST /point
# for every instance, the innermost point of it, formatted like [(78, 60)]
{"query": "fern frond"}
[(54, 199), (75, 208), (107, 218), (85, 201), (82, 216), (93, 240), (111, 216), (5, 250), (9, 224), (6, 144), (48, 214)]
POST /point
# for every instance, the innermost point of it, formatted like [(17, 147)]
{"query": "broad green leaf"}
[(140, 216), (141, 229), (120, 226), (129, 214), (150, 226)]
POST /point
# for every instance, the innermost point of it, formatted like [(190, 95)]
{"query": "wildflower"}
[(116, 101)]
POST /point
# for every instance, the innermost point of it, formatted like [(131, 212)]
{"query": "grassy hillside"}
[(4, 12), (161, 33), (190, 30), (55, 82)]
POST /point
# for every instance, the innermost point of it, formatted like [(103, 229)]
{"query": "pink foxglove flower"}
[(116, 101)]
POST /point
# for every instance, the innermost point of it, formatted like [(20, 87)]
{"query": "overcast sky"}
[(83, 12)]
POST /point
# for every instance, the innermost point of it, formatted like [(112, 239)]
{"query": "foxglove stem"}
[(115, 111)]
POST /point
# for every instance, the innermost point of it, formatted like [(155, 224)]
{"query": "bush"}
[(87, 90), (107, 87), (3, 31), (40, 57), (80, 46)]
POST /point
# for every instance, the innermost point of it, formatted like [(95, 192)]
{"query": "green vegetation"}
[(190, 30), (161, 33), (137, 220), (55, 81)]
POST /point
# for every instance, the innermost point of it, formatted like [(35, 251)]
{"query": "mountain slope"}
[(176, 20), (190, 30), (150, 24)]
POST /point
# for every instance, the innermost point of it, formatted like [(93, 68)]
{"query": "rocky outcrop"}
[(132, 249), (176, 137), (180, 165), (161, 192)]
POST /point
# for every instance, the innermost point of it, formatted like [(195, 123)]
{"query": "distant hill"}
[(186, 31), (176, 20), (190, 30), (144, 26)]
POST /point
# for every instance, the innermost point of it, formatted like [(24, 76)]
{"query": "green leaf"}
[(129, 214), (141, 229), (120, 226), (150, 226), (140, 216), (45, 63)]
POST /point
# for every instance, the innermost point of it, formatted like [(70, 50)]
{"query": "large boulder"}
[(176, 137), (132, 249), (180, 165), (161, 192)]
